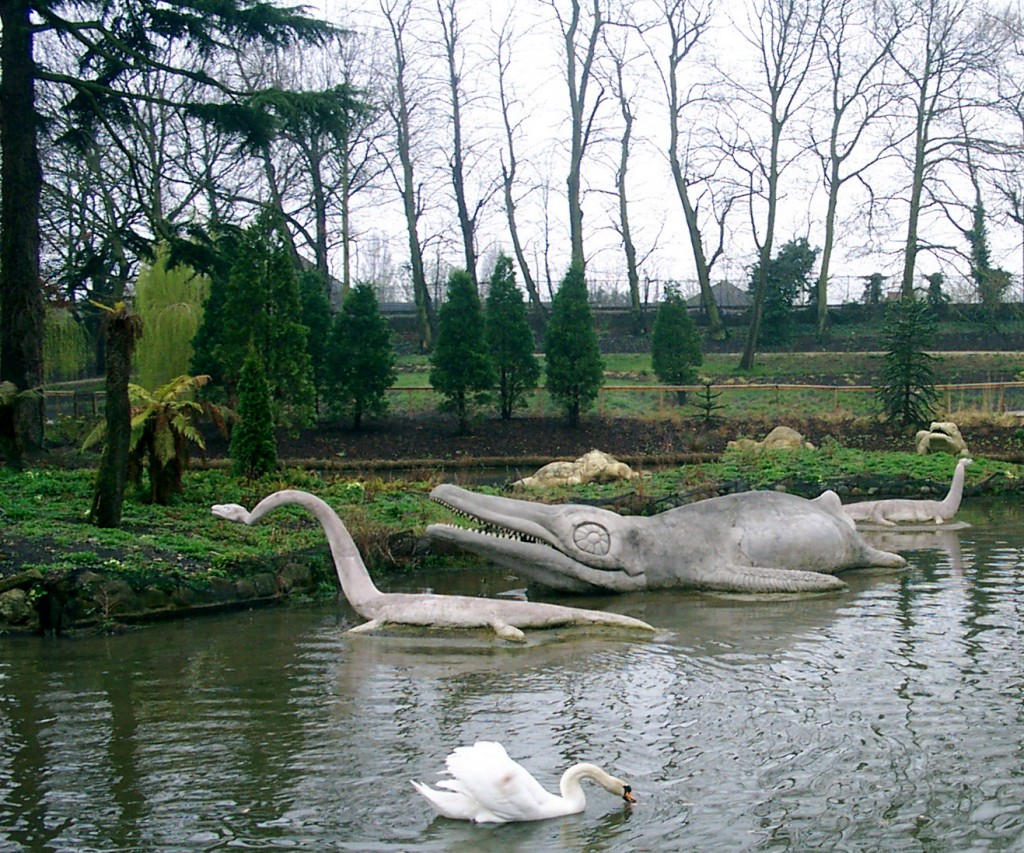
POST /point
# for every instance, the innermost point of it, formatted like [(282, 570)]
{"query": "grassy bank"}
[(45, 537)]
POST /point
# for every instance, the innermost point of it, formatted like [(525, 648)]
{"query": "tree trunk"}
[(277, 201), (345, 201), (462, 412), (716, 328), (632, 274), (21, 298), (913, 215), (921, 135), (508, 178), (756, 309), (403, 133), (753, 332), (578, 80), (165, 478), (573, 411), (421, 294), (108, 494), (323, 263), (517, 245), (826, 252), (456, 163)]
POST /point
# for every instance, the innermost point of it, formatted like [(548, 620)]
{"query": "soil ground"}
[(433, 439)]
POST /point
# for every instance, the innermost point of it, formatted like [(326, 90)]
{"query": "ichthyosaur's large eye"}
[(592, 538)]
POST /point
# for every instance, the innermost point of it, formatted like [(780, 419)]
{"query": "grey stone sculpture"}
[(748, 542), (505, 618), (891, 511), (941, 437)]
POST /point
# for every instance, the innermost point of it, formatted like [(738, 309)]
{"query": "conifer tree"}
[(573, 364), (510, 338), (316, 317), (907, 392), (360, 361), (207, 341), (258, 302), (460, 366), (675, 342), (873, 289), (253, 444)]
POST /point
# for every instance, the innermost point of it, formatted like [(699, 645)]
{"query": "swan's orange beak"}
[(627, 794)]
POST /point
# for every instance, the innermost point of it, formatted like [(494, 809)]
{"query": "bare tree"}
[(359, 164), (1010, 183), (378, 268), (625, 96), (581, 33), (319, 155), (460, 152), (859, 97), (401, 107), (509, 161), (545, 192), (785, 36), (944, 48), (686, 21)]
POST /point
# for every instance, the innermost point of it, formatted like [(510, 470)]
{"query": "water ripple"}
[(888, 718)]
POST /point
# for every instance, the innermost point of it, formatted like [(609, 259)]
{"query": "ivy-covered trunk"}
[(122, 330)]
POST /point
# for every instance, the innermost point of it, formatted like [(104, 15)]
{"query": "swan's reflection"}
[(592, 830)]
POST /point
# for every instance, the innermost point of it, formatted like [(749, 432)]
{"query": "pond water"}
[(886, 718)]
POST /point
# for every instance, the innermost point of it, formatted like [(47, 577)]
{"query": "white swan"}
[(489, 787), (892, 510), (505, 618)]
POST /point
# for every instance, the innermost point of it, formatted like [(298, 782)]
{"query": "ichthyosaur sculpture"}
[(758, 542), (891, 511), (506, 618)]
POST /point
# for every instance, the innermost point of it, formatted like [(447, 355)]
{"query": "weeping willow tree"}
[(170, 303), (66, 346)]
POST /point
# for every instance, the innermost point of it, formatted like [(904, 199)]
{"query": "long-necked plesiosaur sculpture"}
[(890, 511), (505, 618)]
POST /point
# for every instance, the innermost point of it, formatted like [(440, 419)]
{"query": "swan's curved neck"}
[(951, 503), (572, 790), (355, 580)]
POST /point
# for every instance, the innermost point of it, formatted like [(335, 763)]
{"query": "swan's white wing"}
[(455, 805), (485, 773)]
